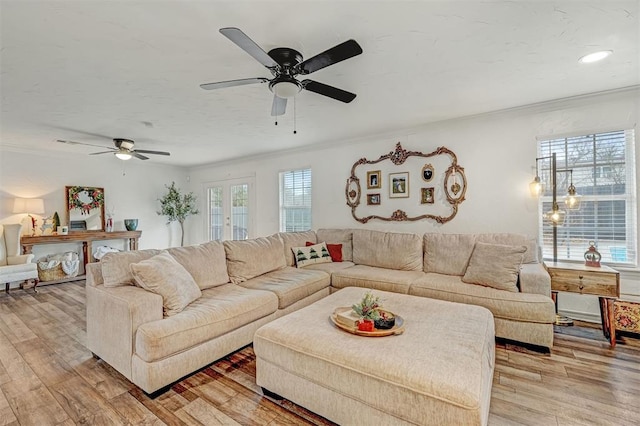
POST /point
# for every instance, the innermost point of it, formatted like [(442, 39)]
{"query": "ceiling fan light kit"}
[(124, 149), (285, 64)]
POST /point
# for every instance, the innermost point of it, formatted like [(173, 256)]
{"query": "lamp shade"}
[(28, 205)]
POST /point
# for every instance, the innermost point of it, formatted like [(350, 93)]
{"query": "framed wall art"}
[(373, 199), (399, 185), (373, 179), (427, 195), (427, 172)]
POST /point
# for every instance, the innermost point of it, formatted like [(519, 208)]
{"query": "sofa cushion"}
[(495, 265), (507, 305), (309, 255), (220, 310), (115, 266), (335, 250), (511, 239), (338, 236), (290, 284), (388, 250), (330, 268), (247, 259), (448, 253), (375, 278), (163, 275), (206, 263), (295, 239)]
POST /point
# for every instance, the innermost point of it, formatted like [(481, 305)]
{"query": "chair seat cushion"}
[(26, 271), (218, 311)]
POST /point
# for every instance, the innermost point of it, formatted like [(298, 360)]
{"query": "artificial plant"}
[(177, 207)]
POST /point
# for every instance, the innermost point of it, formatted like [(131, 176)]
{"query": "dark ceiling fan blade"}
[(101, 152), (81, 143), (245, 43), (279, 106), (138, 156), (330, 91), (231, 83), (346, 50), (146, 151)]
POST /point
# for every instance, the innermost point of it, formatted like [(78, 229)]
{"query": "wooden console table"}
[(86, 238), (603, 282)]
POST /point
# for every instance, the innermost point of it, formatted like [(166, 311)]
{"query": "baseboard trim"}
[(582, 316)]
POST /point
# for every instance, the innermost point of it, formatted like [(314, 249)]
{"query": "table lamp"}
[(29, 206)]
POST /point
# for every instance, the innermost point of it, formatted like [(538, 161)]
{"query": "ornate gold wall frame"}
[(454, 185)]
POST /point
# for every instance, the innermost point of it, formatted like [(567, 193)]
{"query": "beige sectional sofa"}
[(246, 284)]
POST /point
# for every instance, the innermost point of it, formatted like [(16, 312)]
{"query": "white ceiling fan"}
[(124, 149)]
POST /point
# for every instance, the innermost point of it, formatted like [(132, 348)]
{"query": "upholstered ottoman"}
[(439, 371)]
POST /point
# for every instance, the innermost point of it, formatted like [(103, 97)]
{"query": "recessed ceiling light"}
[(595, 56)]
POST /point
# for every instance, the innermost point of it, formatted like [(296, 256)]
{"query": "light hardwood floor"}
[(47, 376)]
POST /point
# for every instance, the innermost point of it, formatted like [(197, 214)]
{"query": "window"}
[(603, 172), (295, 200)]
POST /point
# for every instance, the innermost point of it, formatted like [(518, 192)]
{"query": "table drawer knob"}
[(580, 276)]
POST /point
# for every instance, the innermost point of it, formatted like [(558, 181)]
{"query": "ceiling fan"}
[(123, 149), (285, 64)]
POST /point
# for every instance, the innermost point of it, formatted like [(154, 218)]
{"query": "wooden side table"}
[(603, 282)]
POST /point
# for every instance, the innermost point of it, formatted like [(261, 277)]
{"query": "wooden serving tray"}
[(398, 328)]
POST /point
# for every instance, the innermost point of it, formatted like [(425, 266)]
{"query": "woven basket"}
[(51, 268)]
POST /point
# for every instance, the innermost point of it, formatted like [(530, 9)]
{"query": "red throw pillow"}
[(335, 251)]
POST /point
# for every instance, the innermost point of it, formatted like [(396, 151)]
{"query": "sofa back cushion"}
[(510, 239), (250, 258), (115, 266), (448, 254), (338, 236), (295, 239), (390, 250), (206, 263)]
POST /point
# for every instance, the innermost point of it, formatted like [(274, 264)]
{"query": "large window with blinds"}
[(602, 168), (295, 200)]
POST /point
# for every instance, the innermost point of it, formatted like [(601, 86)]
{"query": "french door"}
[(229, 209)]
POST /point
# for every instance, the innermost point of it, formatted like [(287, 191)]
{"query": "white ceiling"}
[(80, 69)]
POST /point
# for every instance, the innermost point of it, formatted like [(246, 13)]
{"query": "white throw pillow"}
[(163, 275), (495, 265), (309, 255)]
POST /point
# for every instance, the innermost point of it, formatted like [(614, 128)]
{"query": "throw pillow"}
[(335, 251), (163, 275), (495, 265), (316, 253)]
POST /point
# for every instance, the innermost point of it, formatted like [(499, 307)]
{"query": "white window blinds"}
[(295, 200), (603, 172)]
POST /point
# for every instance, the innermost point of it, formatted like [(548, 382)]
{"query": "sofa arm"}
[(113, 316), (535, 279), (20, 260)]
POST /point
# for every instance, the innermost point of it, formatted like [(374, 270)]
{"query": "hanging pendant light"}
[(572, 199)]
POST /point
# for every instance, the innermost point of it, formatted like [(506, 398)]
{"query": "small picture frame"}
[(399, 185), (373, 199), (427, 196), (373, 180), (427, 172)]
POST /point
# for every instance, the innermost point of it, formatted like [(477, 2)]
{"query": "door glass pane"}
[(240, 211), (215, 214)]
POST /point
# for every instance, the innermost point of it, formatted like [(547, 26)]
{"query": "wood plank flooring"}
[(48, 377)]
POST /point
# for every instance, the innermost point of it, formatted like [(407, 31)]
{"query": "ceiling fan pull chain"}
[(294, 116)]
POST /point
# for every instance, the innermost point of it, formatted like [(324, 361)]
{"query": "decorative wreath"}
[(96, 196)]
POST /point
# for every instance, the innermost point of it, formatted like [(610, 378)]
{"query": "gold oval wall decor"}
[(454, 184)]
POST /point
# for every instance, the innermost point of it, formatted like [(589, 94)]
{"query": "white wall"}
[(498, 153), (132, 195)]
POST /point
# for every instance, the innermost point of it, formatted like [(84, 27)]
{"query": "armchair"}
[(13, 265)]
